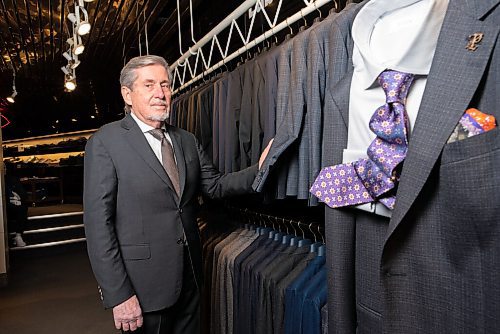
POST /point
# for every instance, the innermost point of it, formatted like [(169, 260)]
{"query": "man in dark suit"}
[(140, 216)]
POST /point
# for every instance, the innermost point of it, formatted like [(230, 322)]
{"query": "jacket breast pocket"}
[(135, 252), (482, 144), (469, 184)]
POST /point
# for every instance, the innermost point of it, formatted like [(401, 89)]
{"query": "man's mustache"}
[(160, 102)]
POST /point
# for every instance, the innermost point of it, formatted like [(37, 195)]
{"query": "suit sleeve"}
[(217, 185), (99, 201)]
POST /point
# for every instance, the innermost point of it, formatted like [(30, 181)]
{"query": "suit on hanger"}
[(134, 221), (233, 108), (298, 141), (437, 269)]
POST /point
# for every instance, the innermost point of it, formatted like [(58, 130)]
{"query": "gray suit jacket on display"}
[(134, 219), (440, 259)]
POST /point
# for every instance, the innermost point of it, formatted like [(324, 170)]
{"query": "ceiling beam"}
[(14, 42)]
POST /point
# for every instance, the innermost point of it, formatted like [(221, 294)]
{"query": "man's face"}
[(150, 96)]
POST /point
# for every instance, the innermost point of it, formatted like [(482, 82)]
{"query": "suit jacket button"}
[(180, 210), (180, 241)]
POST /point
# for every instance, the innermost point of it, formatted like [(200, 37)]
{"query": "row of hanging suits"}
[(258, 280), (432, 263), (279, 95)]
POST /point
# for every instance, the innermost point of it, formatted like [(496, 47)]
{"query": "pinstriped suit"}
[(438, 257)]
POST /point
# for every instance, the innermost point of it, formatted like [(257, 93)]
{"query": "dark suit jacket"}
[(442, 247), (133, 218)]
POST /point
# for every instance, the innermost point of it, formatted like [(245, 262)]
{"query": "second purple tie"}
[(372, 178)]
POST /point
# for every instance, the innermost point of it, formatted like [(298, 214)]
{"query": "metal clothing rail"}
[(183, 61), (272, 220)]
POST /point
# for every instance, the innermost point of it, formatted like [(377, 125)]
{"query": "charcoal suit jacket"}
[(441, 253), (134, 220)]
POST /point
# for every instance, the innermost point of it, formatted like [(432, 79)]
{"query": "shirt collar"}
[(143, 126), (417, 58)]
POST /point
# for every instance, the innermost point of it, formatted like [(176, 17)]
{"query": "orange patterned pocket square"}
[(472, 123)]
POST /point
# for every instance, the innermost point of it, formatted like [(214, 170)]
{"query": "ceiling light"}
[(70, 83), (11, 98), (78, 48), (82, 27)]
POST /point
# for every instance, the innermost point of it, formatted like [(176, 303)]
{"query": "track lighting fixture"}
[(11, 98), (82, 26)]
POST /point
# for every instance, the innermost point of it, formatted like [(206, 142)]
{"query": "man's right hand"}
[(128, 315)]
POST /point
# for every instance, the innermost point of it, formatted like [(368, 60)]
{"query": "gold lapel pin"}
[(474, 40)]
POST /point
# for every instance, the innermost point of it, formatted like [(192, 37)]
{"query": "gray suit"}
[(438, 255), (134, 219)]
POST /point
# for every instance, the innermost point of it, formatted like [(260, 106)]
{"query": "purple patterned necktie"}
[(372, 178)]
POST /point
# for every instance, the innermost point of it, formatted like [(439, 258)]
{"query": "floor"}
[(54, 292)]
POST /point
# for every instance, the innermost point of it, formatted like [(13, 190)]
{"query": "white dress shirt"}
[(152, 141), (387, 34)]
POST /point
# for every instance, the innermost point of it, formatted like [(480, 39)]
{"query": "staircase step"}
[(50, 226)]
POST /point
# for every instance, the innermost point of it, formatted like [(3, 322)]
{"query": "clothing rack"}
[(230, 21), (277, 222)]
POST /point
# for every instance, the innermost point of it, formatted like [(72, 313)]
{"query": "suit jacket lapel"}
[(452, 82), (179, 155), (136, 139)]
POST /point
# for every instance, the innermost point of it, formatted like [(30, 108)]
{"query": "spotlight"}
[(70, 84), (79, 49), (78, 46), (82, 27), (10, 98)]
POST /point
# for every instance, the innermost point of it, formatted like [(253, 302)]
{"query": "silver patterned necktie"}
[(168, 159)]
